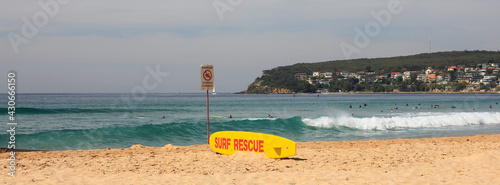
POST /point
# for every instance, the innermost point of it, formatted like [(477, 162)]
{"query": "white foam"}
[(413, 120)]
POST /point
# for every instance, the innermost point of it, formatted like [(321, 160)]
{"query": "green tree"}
[(459, 86)]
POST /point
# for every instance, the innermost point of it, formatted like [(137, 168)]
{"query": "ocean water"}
[(98, 121)]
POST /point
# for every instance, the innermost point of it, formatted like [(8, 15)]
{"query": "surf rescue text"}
[(243, 145)]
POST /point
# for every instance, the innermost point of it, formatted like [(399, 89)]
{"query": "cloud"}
[(241, 55), (121, 38)]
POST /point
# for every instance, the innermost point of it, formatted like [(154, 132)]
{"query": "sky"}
[(156, 46)]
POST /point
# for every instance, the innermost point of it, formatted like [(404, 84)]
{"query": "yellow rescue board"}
[(230, 142)]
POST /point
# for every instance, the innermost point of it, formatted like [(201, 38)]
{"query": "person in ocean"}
[(230, 117)]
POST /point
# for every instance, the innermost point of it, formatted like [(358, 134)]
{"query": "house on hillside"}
[(344, 74), (483, 72), (386, 75), (431, 71), (488, 79), (367, 79), (428, 71), (316, 74), (422, 77), (431, 78), (328, 74), (407, 75), (313, 81), (354, 75), (472, 77), (444, 77), (453, 68), (395, 75), (469, 69), (325, 82)]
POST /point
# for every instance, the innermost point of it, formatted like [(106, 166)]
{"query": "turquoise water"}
[(97, 121)]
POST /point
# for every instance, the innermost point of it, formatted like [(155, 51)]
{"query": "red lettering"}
[(236, 144), (216, 142), (261, 145), (223, 142), (245, 145), (251, 144), (256, 146), (240, 143)]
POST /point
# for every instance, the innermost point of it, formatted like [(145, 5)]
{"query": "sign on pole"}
[(207, 83), (207, 77)]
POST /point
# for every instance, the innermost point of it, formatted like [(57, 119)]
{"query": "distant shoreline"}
[(414, 93), (383, 93)]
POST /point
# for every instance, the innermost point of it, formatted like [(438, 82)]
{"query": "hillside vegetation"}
[(282, 79)]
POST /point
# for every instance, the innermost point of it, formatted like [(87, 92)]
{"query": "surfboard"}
[(230, 142), (217, 116)]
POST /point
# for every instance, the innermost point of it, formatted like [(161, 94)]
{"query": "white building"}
[(488, 79)]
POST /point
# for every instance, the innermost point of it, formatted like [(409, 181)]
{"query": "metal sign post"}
[(207, 83)]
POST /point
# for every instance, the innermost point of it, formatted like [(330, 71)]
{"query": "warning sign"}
[(207, 77)]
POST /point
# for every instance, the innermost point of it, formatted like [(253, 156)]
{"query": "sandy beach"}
[(457, 160)]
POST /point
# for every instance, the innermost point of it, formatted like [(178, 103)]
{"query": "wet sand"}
[(457, 160)]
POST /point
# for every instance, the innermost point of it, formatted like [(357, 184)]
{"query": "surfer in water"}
[(269, 116), (230, 117)]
